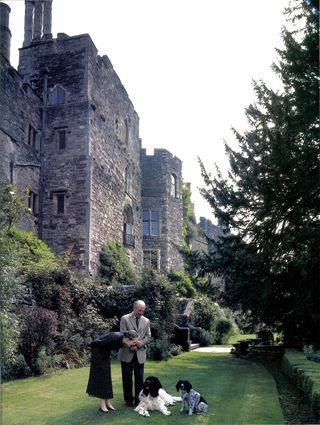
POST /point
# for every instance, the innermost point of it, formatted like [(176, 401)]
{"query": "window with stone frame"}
[(32, 137), (151, 258), (58, 96), (33, 202), (128, 227), (174, 186), (150, 223), (62, 139), (59, 200)]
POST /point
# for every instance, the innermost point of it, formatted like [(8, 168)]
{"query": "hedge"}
[(305, 374)]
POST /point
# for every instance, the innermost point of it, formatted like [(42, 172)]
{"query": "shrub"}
[(19, 368), (48, 362), (182, 284), (32, 252), (174, 350), (158, 349), (223, 330), (305, 374), (203, 314), (159, 297), (38, 328), (205, 338), (115, 267), (311, 353)]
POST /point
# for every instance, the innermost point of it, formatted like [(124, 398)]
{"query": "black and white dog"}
[(191, 399), (154, 397)]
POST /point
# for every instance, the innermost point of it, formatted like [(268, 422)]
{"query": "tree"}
[(115, 266), (189, 229), (270, 199)]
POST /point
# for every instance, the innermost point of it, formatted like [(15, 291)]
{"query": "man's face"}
[(139, 310)]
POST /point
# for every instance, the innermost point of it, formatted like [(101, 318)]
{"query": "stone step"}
[(193, 346)]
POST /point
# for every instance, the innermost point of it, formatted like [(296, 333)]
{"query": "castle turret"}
[(5, 33)]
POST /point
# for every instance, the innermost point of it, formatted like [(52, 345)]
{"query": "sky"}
[(187, 66)]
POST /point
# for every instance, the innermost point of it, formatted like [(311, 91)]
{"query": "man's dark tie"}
[(137, 322)]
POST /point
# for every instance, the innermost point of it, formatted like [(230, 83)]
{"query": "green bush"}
[(182, 284), (174, 350), (115, 267), (305, 374), (38, 329), (205, 338), (49, 362), (158, 349), (160, 299), (311, 353), (204, 312), (223, 330)]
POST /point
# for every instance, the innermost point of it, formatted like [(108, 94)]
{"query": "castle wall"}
[(64, 62), (70, 134), (19, 162), (114, 148), (157, 171)]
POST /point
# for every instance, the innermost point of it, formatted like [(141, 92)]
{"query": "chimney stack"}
[(37, 21), (5, 33)]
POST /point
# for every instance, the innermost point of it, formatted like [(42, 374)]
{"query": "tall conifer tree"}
[(270, 200)]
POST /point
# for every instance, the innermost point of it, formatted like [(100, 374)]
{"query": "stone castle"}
[(70, 135)]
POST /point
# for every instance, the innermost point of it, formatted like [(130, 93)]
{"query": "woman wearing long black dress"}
[(100, 383)]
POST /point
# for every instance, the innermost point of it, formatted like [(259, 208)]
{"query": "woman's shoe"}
[(104, 411), (110, 407)]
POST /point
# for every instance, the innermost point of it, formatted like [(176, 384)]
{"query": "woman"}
[(100, 384)]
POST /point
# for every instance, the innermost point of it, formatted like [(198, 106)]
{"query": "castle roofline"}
[(160, 152)]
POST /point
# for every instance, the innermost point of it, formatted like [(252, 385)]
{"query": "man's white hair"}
[(139, 302)]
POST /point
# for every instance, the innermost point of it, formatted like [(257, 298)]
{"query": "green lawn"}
[(237, 391)]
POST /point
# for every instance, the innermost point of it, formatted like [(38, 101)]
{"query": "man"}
[(132, 359)]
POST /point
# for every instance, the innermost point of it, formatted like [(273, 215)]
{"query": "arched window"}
[(57, 96), (128, 227), (174, 186)]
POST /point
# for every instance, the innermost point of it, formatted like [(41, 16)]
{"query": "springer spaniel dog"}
[(191, 399), (154, 397)]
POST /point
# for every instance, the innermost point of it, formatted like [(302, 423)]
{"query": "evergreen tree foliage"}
[(189, 229), (115, 267), (270, 200)]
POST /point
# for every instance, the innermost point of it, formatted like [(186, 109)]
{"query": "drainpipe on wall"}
[(41, 149)]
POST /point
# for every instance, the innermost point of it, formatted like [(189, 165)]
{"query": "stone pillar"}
[(47, 19), (5, 33), (37, 20), (28, 22)]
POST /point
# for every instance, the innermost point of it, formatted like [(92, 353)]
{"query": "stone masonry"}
[(70, 135)]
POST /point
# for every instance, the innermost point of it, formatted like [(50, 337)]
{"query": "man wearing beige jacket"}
[(133, 359)]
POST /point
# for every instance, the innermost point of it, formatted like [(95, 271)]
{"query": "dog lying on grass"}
[(154, 397), (192, 401)]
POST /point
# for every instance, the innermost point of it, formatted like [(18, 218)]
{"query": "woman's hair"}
[(131, 334)]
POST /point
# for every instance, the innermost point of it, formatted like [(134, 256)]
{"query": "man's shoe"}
[(129, 403)]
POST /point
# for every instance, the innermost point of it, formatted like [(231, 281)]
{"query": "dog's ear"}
[(178, 385), (188, 386), (157, 383), (154, 387)]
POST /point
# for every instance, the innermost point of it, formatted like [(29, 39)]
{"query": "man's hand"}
[(139, 344)]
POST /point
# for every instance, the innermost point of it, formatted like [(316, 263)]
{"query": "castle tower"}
[(90, 145), (5, 33), (162, 210)]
